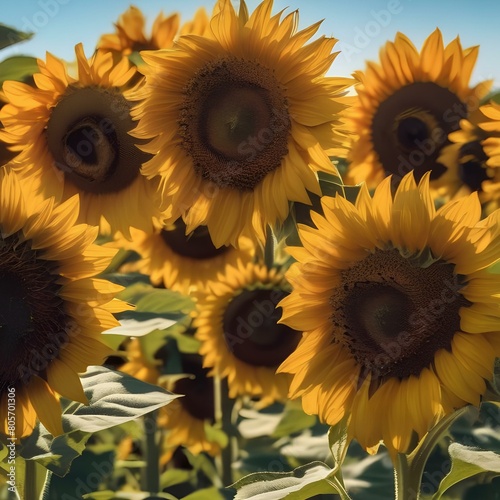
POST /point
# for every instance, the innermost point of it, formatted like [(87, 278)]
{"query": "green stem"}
[(223, 417), (407, 483), (269, 247), (151, 473), (46, 486), (409, 469)]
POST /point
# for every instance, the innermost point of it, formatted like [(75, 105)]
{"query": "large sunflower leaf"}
[(467, 462), (155, 300), (54, 453), (301, 483), (87, 473), (212, 493), (163, 301), (17, 68), (10, 36), (294, 420), (141, 325), (114, 398), (125, 495)]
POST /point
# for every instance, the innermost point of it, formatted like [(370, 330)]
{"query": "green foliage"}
[(18, 68), (159, 313), (212, 493), (10, 36), (331, 185), (467, 462), (492, 96), (293, 420), (114, 398), (301, 483)]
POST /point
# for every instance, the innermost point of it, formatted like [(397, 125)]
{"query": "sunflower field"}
[(228, 273)]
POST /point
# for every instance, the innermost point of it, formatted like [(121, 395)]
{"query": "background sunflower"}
[(74, 139), (180, 262), (237, 326), (407, 104), (130, 37)]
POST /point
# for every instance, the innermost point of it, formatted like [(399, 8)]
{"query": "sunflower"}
[(188, 418), (181, 262), (397, 304), (240, 121), (239, 334), (73, 137), (129, 36), (473, 158), (406, 107), (53, 310)]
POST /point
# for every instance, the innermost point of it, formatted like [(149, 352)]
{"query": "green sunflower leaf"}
[(215, 435), (351, 193), (294, 420), (212, 493), (467, 462), (164, 301), (303, 482), (4, 452), (17, 68), (172, 477), (331, 185), (87, 473), (114, 398), (492, 96), (54, 453), (124, 495), (10, 36), (155, 300), (127, 279), (141, 324)]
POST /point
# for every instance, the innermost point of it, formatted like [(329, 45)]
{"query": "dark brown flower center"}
[(393, 315), (410, 131), (87, 134), (234, 123), (411, 126), (251, 328), (472, 167), (198, 391), (197, 245), (33, 323)]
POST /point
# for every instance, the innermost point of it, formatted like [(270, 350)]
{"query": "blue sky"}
[(361, 26)]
